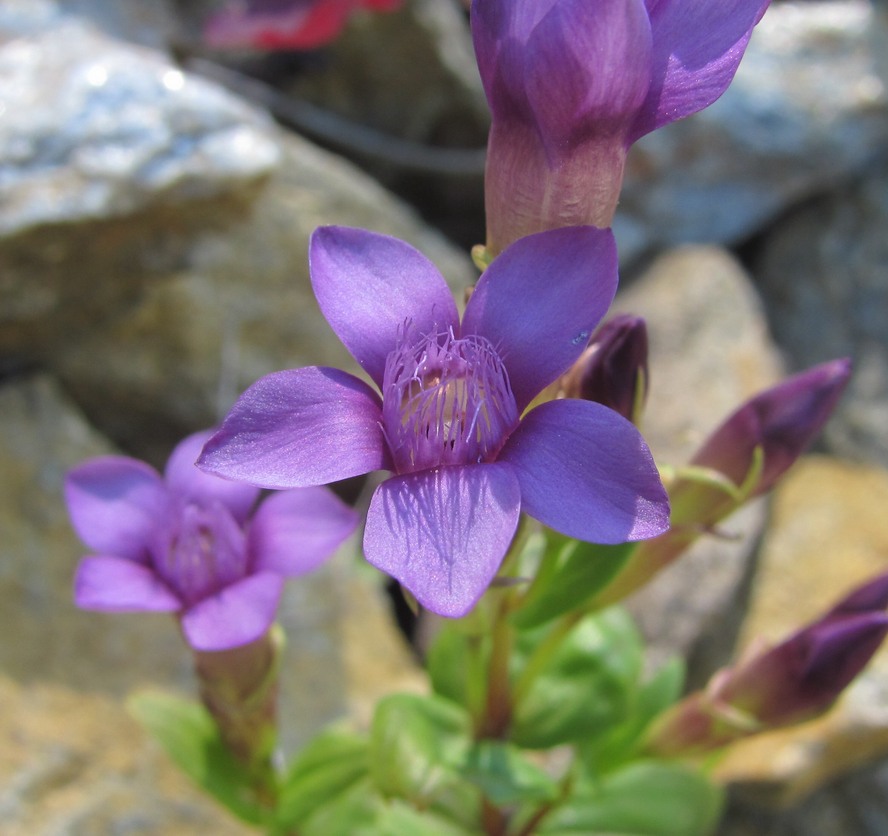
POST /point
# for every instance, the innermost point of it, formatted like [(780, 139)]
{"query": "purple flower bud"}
[(752, 449), (189, 542), (572, 84), (613, 369), (797, 680), (782, 422)]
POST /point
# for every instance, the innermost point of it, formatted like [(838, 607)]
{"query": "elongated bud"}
[(742, 459), (613, 370), (787, 684)]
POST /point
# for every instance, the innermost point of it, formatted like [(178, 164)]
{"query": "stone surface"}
[(709, 351), (238, 305), (70, 760), (807, 109), (107, 151), (827, 535), (822, 271)]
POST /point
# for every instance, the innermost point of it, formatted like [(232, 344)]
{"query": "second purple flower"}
[(449, 419)]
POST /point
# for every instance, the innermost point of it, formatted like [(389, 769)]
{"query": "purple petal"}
[(540, 300), (871, 596), (237, 615), (586, 472), (298, 428), (115, 504), (697, 49), (371, 287), (115, 584), (293, 532), (587, 70), (188, 481), (443, 533)]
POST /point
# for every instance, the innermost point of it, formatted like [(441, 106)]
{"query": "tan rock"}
[(827, 535)]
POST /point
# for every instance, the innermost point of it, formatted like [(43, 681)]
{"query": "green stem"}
[(543, 653)]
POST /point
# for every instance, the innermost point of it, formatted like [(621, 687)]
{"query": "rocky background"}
[(155, 206)]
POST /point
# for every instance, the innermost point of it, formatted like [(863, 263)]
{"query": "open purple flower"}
[(449, 420), (573, 83), (189, 542)]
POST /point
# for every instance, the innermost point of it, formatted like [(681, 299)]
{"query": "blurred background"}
[(162, 165)]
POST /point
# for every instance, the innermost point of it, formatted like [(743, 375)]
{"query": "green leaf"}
[(570, 574), (398, 819), (188, 734), (417, 745), (505, 776), (331, 763), (580, 687), (648, 798), (449, 660), (353, 813)]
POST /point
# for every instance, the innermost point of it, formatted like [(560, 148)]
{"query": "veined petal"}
[(443, 533), (587, 69), (185, 479), (293, 532), (586, 472), (115, 503), (236, 615), (697, 49), (115, 584), (540, 300), (298, 428), (372, 287)]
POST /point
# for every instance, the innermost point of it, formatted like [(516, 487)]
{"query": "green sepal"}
[(647, 798), (570, 574), (188, 734), (581, 685), (329, 765), (417, 746), (506, 777)]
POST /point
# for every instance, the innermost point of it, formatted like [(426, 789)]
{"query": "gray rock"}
[(807, 110), (107, 150), (822, 272), (709, 351), (237, 304)]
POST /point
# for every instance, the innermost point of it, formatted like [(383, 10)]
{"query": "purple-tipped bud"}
[(787, 684), (613, 370), (742, 459), (782, 421), (571, 86)]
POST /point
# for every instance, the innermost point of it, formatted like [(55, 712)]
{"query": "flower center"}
[(201, 552), (446, 401)]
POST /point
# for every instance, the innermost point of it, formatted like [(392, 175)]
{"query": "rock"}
[(239, 306), (822, 273), (827, 535), (70, 759), (806, 111), (709, 351), (107, 150)]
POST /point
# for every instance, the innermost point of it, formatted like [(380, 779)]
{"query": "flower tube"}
[(572, 84)]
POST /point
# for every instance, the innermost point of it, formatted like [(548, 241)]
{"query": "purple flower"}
[(449, 421), (190, 543), (795, 681), (613, 370), (572, 84), (284, 24)]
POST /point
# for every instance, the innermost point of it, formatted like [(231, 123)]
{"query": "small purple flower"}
[(613, 370), (792, 682), (573, 83), (449, 422), (190, 543)]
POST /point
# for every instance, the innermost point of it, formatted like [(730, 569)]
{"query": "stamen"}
[(446, 401)]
